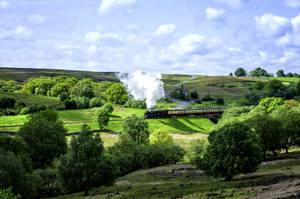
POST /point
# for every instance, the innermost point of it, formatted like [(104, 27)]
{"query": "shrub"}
[(82, 102), (13, 174), (48, 182), (8, 194), (220, 101), (161, 138), (207, 98), (63, 97), (196, 152), (107, 107), (96, 102), (136, 104), (194, 95), (70, 104), (6, 102), (232, 150), (198, 101)]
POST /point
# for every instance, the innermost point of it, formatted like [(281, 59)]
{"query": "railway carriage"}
[(157, 114)]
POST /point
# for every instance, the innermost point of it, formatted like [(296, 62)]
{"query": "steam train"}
[(157, 114)]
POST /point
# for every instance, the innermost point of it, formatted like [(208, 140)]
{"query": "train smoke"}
[(144, 86)]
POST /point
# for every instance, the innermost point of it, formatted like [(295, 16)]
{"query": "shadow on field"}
[(175, 123)]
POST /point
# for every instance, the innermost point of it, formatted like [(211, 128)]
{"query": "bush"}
[(196, 152), (194, 95), (136, 104), (13, 174), (132, 156), (101, 116), (160, 138), (32, 109), (109, 108), (220, 101), (96, 102), (48, 184), (70, 104), (63, 97), (6, 102), (207, 98), (8, 194), (198, 101), (82, 102), (232, 150)]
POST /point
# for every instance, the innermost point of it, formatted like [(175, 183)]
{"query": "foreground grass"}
[(186, 182)]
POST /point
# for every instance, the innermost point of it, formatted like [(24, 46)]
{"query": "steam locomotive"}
[(158, 114)]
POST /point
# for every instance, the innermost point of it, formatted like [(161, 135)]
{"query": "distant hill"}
[(22, 74)]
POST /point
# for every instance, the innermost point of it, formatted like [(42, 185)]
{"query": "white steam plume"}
[(143, 86)]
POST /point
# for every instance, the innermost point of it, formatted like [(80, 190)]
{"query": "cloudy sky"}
[(171, 36)]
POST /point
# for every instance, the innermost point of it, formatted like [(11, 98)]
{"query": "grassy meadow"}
[(183, 181)]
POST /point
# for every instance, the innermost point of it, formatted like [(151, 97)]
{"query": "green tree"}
[(289, 120), (18, 147), (101, 115), (259, 72), (271, 103), (280, 73), (232, 150), (136, 129), (240, 72), (8, 194), (13, 174), (298, 88), (268, 130), (197, 150), (45, 136), (116, 94), (83, 88), (85, 165), (160, 138)]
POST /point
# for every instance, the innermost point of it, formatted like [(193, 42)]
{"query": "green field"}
[(33, 99), (285, 79), (183, 130)]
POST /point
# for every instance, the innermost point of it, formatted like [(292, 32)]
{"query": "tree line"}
[(260, 72)]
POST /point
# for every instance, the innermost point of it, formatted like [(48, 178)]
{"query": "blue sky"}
[(211, 37)]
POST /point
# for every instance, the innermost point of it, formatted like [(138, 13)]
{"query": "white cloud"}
[(92, 37), (36, 18), (284, 40), (296, 23), (165, 29), (292, 3), (271, 24), (195, 44), (213, 13), (18, 33), (4, 4), (231, 3), (108, 5)]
